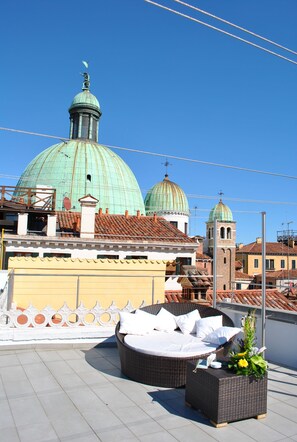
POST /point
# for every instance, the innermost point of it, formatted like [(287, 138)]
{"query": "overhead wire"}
[(235, 26), (163, 155), (189, 17)]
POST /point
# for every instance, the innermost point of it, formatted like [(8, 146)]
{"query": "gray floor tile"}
[(117, 435), (85, 399), (27, 410), (8, 360), (18, 388), (102, 420), (258, 431), (49, 355), (281, 424), (10, 434), (28, 357), (38, 432), (71, 426), (6, 418), (111, 396), (57, 404), (190, 433)]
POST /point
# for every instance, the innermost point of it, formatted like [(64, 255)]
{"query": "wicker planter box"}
[(224, 396)]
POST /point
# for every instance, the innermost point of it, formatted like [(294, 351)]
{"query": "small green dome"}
[(77, 168), (85, 98), (221, 212), (166, 197)]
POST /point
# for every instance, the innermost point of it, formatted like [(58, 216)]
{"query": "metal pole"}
[(263, 311), (77, 292), (153, 290), (214, 272)]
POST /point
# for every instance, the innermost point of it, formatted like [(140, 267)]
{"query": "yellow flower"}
[(241, 354), (242, 363)]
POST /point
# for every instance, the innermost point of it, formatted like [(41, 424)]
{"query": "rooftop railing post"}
[(153, 290), (263, 311), (77, 292), (214, 284)]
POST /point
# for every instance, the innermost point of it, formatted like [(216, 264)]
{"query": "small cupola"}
[(85, 113)]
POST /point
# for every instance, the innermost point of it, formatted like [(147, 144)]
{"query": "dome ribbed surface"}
[(221, 212), (85, 98), (166, 197), (77, 168)]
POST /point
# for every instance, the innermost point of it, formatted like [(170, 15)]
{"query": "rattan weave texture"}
[(160, 370)]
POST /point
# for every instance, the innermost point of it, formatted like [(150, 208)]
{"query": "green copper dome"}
[(221, 212), (85, 98), (166, 197), (77, 168), (81, 166)]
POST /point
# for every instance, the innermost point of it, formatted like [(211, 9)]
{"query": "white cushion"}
[(165, 321), (204, 326), (133, 324), (149, 319), (221, 335), (173, 344), (187, 323)]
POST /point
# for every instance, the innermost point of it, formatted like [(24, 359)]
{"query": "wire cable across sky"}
[(163, 155), (189, 17)]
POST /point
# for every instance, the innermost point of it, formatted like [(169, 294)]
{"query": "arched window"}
[(222, 232), (209, 233), (212, 232), (228, 232)]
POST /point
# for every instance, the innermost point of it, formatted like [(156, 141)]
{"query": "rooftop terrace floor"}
[(79, 394)]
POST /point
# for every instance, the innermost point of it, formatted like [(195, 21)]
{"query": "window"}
[(225, 260), (224, 287), (209, 234), (136, 257), (293, 264), (238, 286), (228, 232), (108, 256), (89, 178), (282, 264), (174, 223), (256, 263), (269, 264), (57, 255), (222, 232), (186, 228)]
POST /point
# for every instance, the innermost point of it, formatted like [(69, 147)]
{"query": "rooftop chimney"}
[(155, 218), (259, 240), (88, 207), (138, 213), (107, 211), (100, 211), (126, 214)]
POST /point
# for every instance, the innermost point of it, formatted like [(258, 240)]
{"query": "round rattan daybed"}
[(165, 371)]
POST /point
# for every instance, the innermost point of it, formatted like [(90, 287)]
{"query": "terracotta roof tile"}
[(272, 248), (203, 256), (274, 299), (122, 228), (241, 275)]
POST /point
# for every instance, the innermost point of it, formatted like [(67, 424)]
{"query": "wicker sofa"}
[(165, 371)]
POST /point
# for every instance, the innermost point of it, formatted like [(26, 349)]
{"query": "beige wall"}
[(100, 280), (249, 264)]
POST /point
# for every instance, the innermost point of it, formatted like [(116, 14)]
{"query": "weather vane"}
[(221, 194), (86, 83), (166, 164)]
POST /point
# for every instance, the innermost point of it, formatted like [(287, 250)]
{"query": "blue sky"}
[(165, 85)]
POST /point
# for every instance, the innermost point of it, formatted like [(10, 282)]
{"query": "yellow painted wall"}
[(251, 269), (53, 281)]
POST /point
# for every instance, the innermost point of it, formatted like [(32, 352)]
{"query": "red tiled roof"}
[(272, 248), (238, 265), (174, 296), (122, 228), (274, 299), (241, 275), (203, 256), (280, 274)]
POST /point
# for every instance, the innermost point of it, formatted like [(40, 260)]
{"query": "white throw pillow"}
[(204, 326), (165, 321), (148, 319), (133, 324), (221, 335), (187, 323)]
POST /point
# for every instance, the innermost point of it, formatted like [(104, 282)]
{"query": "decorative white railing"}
[(65, 323)]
